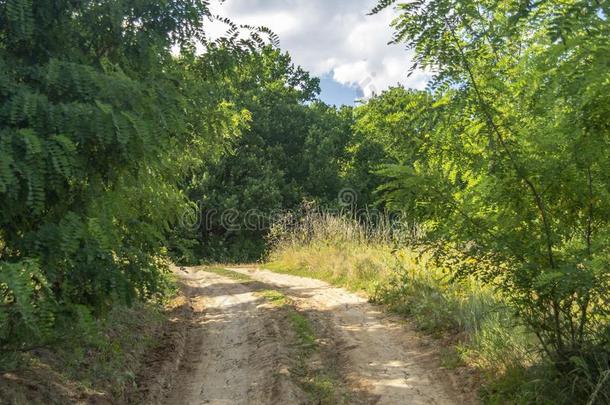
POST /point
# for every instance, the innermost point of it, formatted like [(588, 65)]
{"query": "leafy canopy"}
[(515, 171)]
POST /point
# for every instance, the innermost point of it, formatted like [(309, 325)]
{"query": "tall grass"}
[(335, 248), (374, 256)]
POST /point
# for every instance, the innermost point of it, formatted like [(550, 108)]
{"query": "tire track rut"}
[(241, 350)]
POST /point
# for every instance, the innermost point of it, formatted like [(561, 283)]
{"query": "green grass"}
[(275, 297), (303, 329), (333, 265), (321, 389), (221, 271)]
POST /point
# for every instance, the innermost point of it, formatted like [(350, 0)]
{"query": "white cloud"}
[(335, 38)]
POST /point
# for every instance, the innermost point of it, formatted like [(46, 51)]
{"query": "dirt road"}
[(246, 350)]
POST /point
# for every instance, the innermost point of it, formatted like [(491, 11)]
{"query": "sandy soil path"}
[(236, 353), (381, 352), (239, 354)]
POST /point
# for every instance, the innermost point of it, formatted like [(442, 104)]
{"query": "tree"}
[(516, 169), (325, 152), (95, 113), (388, 129), (290, 151)]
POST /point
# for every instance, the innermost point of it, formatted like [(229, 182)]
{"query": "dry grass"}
[(375, 259)]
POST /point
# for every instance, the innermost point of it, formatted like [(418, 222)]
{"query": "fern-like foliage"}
[(27, 311), (382, 5), (94, 119)]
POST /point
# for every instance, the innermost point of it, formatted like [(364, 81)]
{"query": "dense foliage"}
[(95, 112), (127, 137), (291, 151), (509, 163)]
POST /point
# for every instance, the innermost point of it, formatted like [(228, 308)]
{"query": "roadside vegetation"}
[(476, 322), (96, 361)]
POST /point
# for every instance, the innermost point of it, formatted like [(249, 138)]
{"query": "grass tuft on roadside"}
[(221, 271), (275, 298)]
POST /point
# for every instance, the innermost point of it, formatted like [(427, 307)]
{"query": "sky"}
[(333, 39)]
